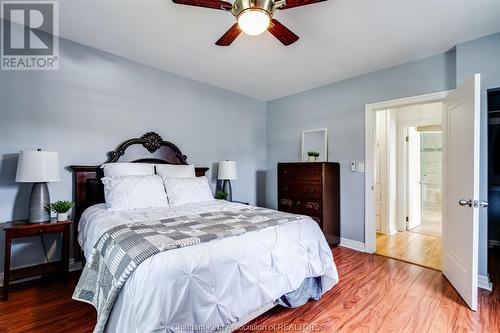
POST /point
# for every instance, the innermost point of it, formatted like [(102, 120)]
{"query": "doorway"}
[(461, 200), (409, 156), (430, 184)]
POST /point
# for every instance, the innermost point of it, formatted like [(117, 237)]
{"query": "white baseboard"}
[(389, 231), (73, 266), (351, 244), (483, 282)]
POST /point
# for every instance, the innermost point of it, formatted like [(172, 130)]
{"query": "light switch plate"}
[(361, 167), (353, 166)]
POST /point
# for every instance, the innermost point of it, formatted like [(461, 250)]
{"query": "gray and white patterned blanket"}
[(123, 248)]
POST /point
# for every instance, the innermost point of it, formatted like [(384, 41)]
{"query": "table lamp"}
[(227, 172), (38, 167)]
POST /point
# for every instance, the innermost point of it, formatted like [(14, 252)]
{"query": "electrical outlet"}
[(361, 167), (353, 166)]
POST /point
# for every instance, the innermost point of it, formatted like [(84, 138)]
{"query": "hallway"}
[(418, 248)]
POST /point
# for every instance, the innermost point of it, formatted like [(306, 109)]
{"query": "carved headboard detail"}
[(153, 143), (149, 148)]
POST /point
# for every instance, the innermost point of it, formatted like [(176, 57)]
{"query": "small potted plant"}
[(313, 156), (61, 208), (220, 195)]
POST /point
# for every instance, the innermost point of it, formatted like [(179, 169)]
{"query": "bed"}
[(212, 286)]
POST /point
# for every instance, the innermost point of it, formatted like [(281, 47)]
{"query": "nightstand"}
[(20, 229)]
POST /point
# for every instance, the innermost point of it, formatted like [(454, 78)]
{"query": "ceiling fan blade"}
[(229, 36), (214, 4), (281, 32), (298, 3)]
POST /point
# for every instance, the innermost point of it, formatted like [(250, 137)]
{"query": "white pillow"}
[(134, 192), (128, 169), (182, 191), (175, 171)]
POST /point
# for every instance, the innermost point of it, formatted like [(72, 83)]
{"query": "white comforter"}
[(214, 283)]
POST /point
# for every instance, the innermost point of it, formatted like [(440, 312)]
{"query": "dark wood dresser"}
[(312, 189)]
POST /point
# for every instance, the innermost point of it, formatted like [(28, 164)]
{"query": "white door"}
[(414, 188), (461, 189)]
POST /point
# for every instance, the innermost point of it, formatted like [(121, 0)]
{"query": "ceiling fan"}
[(253, 17)]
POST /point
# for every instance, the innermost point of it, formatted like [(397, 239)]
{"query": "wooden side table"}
[(20, 229)]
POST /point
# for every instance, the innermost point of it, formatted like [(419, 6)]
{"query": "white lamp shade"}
[(37, 167), (227, 170)]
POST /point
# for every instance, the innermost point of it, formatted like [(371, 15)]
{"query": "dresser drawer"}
[(318, 221), (315, 215), (300, 190), (34, 229), (301, 206), (300, 171)]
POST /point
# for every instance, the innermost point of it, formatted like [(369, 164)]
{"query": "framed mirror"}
[(314, 145)]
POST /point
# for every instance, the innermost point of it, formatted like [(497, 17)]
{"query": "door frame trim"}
[(370, 140)]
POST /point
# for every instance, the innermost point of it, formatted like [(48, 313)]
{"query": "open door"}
[(414, 187), (461, 189)]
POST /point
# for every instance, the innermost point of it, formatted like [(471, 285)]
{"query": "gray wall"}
[(96, 101), (481, 56), (341, 108)]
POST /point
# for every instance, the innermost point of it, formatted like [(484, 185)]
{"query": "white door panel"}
[(461, 181)]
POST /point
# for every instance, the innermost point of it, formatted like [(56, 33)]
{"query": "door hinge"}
[(407, 138)]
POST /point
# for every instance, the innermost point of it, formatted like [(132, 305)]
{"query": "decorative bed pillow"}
[(127, 169), (182, 191), (175, 171), (134, 192)]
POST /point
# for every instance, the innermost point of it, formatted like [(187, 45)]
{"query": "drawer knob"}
[(312, 205)]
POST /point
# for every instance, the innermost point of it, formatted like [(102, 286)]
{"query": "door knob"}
[(465, 203), (473, 203)]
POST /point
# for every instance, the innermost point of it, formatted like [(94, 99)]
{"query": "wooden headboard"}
[(149, 148)]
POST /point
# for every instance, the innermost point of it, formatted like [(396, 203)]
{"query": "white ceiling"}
[(338, 39)]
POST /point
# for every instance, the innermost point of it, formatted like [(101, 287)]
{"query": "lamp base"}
[(226, 188), (38, 211)]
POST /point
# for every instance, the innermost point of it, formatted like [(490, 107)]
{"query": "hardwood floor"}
[(429, 227), (47, 307), (375, 294), (412, 247)]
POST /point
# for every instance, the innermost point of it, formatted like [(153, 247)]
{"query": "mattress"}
[(210, 285)]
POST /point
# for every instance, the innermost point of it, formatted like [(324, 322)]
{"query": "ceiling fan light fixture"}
[(254, 21), (253, 17)]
